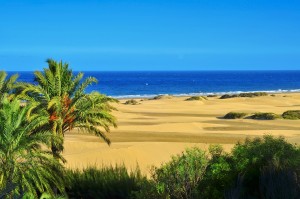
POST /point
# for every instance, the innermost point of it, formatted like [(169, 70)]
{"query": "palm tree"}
[(60, 95), (7, 85), (24, 166)]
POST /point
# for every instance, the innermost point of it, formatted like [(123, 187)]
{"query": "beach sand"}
[(150, 132)]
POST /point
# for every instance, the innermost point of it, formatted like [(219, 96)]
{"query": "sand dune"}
[(149, 133)]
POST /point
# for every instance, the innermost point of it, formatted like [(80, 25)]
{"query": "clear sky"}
[(151, 35)]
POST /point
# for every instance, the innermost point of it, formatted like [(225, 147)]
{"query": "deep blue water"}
[(147, 84)]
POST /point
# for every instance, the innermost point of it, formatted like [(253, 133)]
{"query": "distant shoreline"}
[(204, 94)]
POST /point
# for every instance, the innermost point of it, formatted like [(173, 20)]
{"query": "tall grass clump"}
[(235, 115), (291, 115), (107, 182), (264, 116)]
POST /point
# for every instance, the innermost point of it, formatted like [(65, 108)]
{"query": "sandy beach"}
[(150, 132)]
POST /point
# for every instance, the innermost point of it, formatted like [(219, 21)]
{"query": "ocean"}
[(183, 83)]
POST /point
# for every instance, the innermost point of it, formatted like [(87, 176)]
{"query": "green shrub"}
[(255, 94), (278, 183), (226, 96), (212, 95), (252, 157), (131, 102), (291, 115), (193, 98), (108, 182), (162, 97), (264, 116), (218, 173), (235, 115), (180, 177)]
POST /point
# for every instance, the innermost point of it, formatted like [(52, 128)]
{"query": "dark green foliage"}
[(226, 96), (279, 183), (194, 98), (250, 157), (218, 173), (109, 182), (162, 97), (291, 115), (180, 177), (264, 116), (148, 190), (255, 94), (235, 115), (131, 102), (212, 95)]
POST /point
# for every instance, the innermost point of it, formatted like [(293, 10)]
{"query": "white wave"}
[(204, 93)]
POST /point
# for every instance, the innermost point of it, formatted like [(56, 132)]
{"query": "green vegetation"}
[(131, 102), (264, 116), (109, 182), (291, 115), (235, 115), (212, 96), (260, 168), (7, 86), (158, 97), (194, 98), (24, 166), (255, 94), (258, 161), (60, 96), (180, 177)]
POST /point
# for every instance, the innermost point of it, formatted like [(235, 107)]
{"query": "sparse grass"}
[(226, 96), (255, 94), (131, 102), (235, 115), (291, 115), (212, 96), (195, 98), (162, 97), (264, 116)]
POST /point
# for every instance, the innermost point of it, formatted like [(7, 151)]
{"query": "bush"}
[(110, 182), (291, 115), (131, 102), (193, 98), (226, 96), (278, 183), (255, 94), (253, 158), (264, 116), (162, 97), (212, 95), (235, 115), (180, 177), (218, 173)]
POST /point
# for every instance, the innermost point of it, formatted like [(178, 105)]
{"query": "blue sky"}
[(151, 35)]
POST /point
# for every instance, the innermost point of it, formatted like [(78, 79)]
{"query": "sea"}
[(145, 84)]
